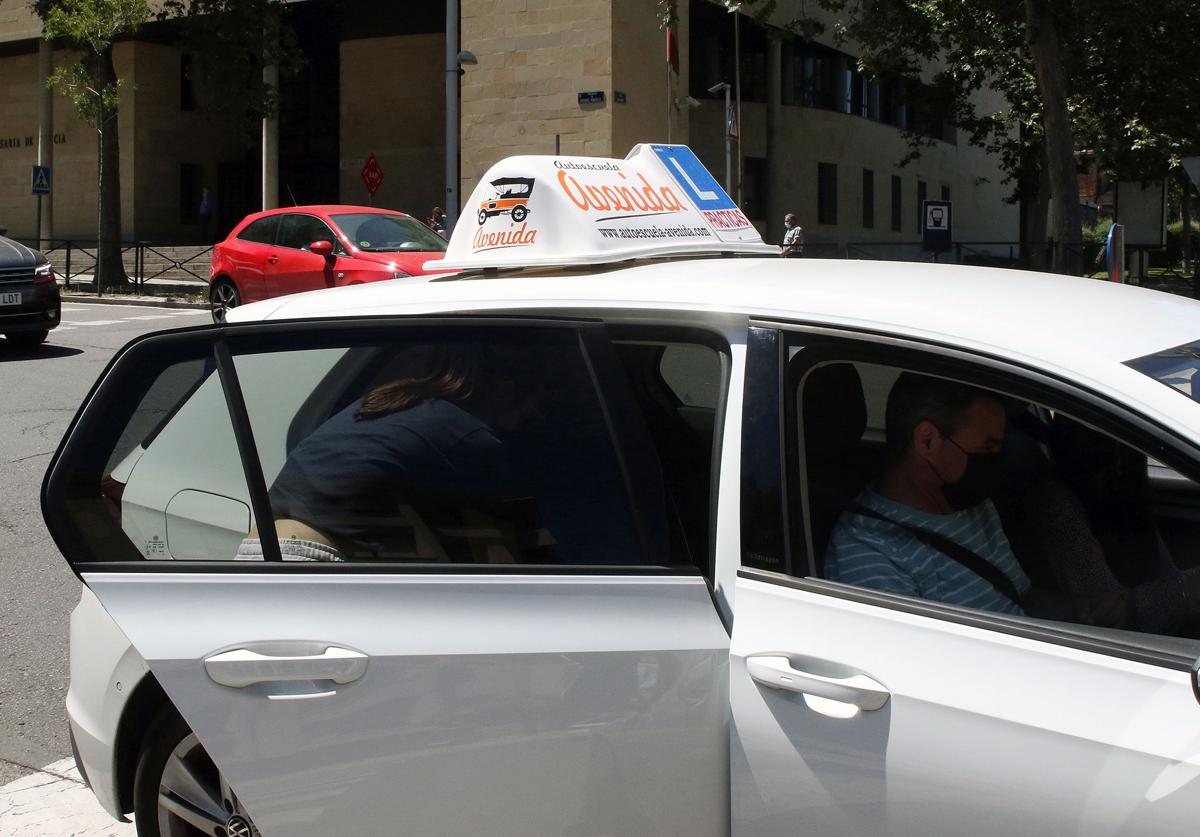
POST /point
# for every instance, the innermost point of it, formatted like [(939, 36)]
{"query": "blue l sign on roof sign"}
[(702, 188), (693, 178), (41, 180)]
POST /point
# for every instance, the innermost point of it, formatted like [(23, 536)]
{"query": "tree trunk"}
[(1185, 212), (1033, 231), (1042, 33), (110, 267)]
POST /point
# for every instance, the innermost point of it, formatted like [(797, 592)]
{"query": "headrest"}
[(835, 412)]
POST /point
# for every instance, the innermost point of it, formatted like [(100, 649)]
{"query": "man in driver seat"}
[(926, 528)]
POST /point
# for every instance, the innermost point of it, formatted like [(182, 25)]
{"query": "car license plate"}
[(10, 299)]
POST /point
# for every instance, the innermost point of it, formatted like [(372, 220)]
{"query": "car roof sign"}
[(660, 201)]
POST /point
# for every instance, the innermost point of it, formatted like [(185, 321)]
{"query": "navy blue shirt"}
[(352, 478)]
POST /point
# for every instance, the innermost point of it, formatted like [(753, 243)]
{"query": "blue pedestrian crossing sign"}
[(41, 180)]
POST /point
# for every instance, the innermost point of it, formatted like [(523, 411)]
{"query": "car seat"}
[(834, 416)]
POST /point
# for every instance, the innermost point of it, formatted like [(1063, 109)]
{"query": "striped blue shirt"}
[(867, 552)]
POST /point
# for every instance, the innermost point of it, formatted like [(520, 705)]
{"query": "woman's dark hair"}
[(446, 372)]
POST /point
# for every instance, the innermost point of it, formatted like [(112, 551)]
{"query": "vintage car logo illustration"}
[(512, 199)]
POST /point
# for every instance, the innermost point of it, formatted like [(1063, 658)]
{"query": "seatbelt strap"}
[(983, 568)]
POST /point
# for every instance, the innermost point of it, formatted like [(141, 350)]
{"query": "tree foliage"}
[(91, 28), (1123, 86), (230, 42)]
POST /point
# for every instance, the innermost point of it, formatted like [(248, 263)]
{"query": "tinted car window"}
[(385, 233), (158, 475), (299, 231), (261, 231), (469, 447)]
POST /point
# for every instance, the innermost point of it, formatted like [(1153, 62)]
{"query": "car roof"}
[(324, 209), (1083, 329)]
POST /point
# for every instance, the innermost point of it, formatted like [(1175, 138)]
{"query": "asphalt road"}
[(40, 390)]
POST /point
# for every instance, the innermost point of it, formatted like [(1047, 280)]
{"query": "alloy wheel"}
[(222, 297), (194, 798)]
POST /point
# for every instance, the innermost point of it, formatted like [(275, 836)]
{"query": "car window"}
[(977, 499), (693, 372), (377, 232), (261, 231), (1176, 367), (160, 476), (449, 447), (299, 231), (447, 444)]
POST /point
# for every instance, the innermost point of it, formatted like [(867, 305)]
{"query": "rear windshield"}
[(380, 233), (1176, 367)]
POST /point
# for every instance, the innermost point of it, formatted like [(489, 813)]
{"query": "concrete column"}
[(452, 201), (45, 147), (774, 128), (270, 146)]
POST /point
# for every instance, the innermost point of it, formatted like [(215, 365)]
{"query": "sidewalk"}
[(54, 802), (131, 299)]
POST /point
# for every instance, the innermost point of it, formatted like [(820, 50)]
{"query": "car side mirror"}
[(322, 248)]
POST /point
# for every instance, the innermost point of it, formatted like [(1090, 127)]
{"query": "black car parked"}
[(30, 304)]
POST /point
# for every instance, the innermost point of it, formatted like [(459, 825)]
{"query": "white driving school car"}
[(539, 549)]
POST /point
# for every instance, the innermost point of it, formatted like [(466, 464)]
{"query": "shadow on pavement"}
[(9, 352)]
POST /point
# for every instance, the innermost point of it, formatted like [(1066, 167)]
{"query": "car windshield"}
[(378, 233), (1176, 367)]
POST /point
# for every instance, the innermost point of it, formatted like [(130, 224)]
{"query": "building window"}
[(189, 192), (186, 99), (813, 78), (868, 199), (826, 193), (922, 196), (945, 193), (897, 204)]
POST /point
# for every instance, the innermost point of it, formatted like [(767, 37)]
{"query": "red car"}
[(303, 248)]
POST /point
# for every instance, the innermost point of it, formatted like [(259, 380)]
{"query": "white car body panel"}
[(553, 698), (1057, 739), (105, 670), (984, 733)]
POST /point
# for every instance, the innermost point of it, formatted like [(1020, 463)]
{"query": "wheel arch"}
[(225, 277), (147, 700)]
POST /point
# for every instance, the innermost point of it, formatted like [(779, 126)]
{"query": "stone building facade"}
[(815, 137)]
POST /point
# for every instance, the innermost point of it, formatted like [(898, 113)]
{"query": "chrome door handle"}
[(244, 667), (775, 672)]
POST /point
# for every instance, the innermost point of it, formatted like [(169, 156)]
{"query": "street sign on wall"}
[(372, 174)]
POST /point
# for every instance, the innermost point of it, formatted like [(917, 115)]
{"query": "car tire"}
[(178, 791), (483, 216), (28, 338), (519, 213), (222, 296)]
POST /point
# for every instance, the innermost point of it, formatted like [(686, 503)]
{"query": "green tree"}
[(91, 28), (1077, 75), (1095, 75), (231, 41)]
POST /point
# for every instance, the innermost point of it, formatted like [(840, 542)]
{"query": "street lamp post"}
[(454, 61), (724, 87)]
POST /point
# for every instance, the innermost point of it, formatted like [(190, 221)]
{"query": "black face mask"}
[(978, 481)]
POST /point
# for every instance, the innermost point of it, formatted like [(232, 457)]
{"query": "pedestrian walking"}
[(793, 238), (204, 212)]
